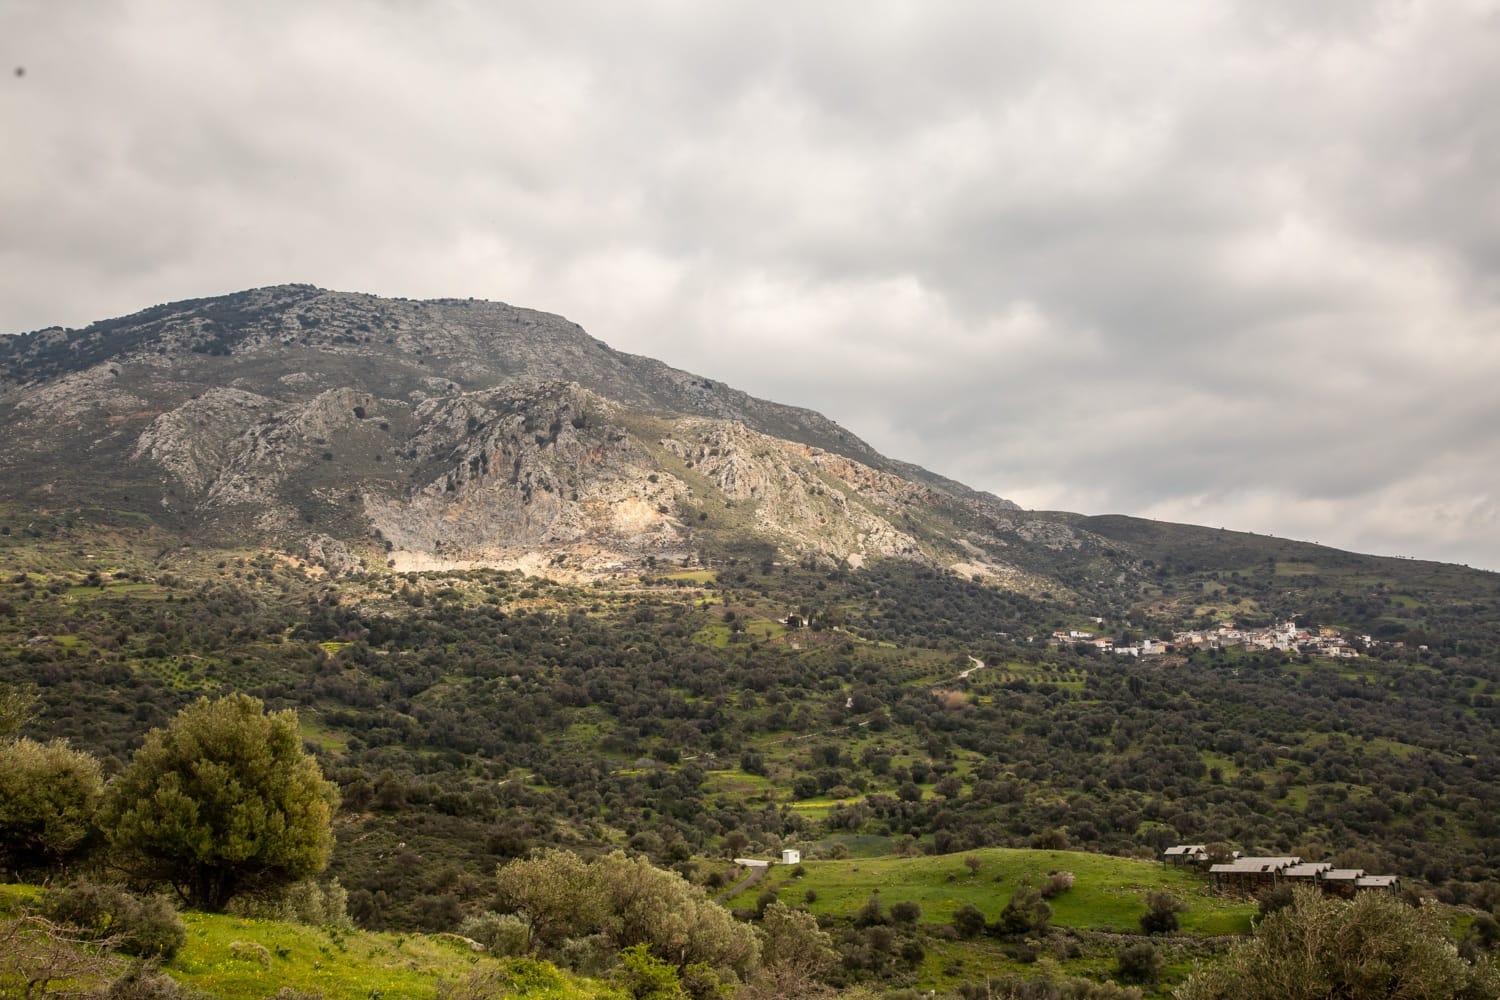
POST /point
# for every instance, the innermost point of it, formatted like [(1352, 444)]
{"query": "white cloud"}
[(1231, 261)]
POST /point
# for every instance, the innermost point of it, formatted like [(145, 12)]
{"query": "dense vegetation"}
[(468, 719)]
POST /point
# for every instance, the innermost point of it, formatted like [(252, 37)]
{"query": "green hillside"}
[(233, 958), (914, 719), (1108, 893)]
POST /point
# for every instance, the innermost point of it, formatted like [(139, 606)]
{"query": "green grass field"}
[(1108, 893), (240, 959), (235, 958)]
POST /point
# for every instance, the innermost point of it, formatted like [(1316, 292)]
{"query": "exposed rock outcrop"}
[(347, 427)]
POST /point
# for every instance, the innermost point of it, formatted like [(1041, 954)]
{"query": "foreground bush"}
[(1373, 946), (223, 800), (627, 902), (48, 796), (143, 926)]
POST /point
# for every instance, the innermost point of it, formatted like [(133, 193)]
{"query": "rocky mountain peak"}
[(454, 432)]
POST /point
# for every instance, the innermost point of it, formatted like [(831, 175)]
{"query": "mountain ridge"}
[(232, 400), (218, 325), (366, 433)]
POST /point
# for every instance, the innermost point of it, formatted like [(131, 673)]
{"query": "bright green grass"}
[(353, 965), (764, 628), (737, 782), (861, 845), (715, 635), (221, 959), (234, 958), (1108, 893), (820, 807)]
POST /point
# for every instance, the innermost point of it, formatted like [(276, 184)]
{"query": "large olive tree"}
[(1369, 947), (629, 902), (48, 795), (223, 800)]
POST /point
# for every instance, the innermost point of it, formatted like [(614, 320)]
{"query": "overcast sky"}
[(1232, 263)]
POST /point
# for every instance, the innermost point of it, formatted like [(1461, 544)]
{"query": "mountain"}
[(356, 431), (457, 433)]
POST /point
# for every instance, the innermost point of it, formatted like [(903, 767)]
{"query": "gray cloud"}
[(1225, 262)]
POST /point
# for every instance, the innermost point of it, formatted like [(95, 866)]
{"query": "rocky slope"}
[(456, 433)]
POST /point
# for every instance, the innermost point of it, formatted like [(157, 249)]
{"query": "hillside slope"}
[(454, 433)]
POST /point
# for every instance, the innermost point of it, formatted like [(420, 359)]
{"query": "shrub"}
[(624, 899), (1161, 913), (589, 955), (1275, 899), (152, 929), (504, 934), (1137, 963), (89, 907), (1374, 945), (1025, 913), (968, 920), (48, 796), (643, 976), (143, 926), (906, 912), (251, 951), (1057, 883), (792, 939), (1055, 839), (871, 914), (517, 977), (306, 902), (142, 982)]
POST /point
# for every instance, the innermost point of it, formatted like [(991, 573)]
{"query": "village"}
[(1251, 876), (1287, 637)]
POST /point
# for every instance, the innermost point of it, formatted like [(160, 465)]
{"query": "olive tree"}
[(628, 902), (48, 797), (1372, 946), (16, 706), (796, 955), (223, 800)]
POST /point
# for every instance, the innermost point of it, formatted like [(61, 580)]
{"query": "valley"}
[(469, 718), (527, 595)]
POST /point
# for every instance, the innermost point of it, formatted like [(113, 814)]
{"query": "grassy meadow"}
[(1108, 893)]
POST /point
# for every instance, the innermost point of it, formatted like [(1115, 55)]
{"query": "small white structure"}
[(752, 863), (791, 857)]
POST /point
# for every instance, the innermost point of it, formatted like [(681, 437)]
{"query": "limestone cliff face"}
[(541, 470), (353, 430), (196, 441)]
